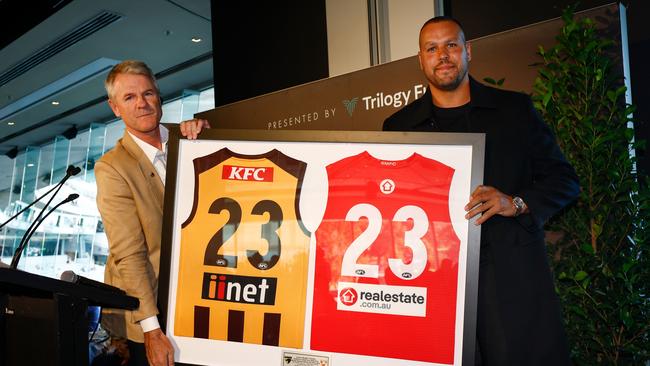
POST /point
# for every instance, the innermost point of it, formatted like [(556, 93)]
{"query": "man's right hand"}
[(193, 127), (160, 351)]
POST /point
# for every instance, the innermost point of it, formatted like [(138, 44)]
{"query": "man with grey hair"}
[(130, 187)]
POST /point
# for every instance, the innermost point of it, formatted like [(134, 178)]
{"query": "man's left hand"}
[(489, 201), (193, 127)]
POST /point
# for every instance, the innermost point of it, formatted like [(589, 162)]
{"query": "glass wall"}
[(70, 237)]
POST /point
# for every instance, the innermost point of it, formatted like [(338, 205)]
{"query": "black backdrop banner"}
[(361, 100)]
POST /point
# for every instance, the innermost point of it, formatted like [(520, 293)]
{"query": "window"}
[(72, 237)]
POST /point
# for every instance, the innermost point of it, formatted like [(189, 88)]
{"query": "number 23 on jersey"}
[(244, 251)]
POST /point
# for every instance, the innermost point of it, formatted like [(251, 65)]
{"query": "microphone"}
[(71, 197), (32, 228), (70, 276), (72, 170)]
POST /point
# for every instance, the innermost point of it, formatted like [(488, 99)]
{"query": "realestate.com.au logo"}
[(348, 296), (382, 299)]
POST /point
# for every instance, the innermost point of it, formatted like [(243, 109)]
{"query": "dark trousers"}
[(491, 345), (502, 338), (138, 355)]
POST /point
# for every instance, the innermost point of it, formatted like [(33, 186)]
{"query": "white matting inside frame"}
[(313, 200)]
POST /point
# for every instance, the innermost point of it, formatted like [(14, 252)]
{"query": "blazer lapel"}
[(147, 170)]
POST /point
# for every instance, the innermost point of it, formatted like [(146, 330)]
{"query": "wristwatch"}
[(519, 205)]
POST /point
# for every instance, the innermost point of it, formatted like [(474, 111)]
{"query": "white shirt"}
[(159, 160), (157, 157)]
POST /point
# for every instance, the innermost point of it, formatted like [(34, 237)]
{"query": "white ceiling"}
[(158, 32)]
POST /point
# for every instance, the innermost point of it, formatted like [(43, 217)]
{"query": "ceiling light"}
[(30, 165), (196, 39), (54, 102), (11, 123)]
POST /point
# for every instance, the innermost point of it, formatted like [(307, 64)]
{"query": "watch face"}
[(519, 205)]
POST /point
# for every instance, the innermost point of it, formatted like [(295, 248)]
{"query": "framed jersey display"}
[(336, 248)]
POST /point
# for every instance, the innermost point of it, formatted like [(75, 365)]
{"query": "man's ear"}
[(468, 47), (114, 108), (420, 60)]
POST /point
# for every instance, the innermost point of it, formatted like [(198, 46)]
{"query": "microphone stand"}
[(28, 206), (32, 229), (72, 170)]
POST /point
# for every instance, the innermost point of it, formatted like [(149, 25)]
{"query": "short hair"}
[(445, 18), (134, 67)]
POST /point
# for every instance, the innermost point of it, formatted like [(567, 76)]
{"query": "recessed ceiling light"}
[(30, 165), (11, 123), (196, 39), (54, 102)]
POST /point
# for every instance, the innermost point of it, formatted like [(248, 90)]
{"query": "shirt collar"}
[(150, 151), (480, 96)]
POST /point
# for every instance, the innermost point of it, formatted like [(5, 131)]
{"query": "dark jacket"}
[(522, 159)]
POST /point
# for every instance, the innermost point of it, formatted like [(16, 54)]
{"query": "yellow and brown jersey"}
[(244, 251)]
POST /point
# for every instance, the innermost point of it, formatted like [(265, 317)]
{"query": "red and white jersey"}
[(386, 261)]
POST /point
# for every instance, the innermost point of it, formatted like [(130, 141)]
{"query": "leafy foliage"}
[(601, 250), (493, 82)]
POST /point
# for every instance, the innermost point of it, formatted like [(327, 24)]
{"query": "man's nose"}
[(142, 102)]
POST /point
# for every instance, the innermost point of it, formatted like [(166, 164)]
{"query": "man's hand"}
[(159, 350), (193, 127), (489, 201)]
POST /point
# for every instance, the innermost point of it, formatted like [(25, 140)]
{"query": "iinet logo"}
[(241, 289), (247, 173)]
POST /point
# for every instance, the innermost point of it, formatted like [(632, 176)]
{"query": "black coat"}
[(522, 159)]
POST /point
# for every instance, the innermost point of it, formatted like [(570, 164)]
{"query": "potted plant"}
[(598, 247)]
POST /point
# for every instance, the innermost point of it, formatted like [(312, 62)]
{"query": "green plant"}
[(601, 248), (494, 82)]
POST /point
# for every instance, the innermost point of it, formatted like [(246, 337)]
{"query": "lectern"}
[(43, 320)]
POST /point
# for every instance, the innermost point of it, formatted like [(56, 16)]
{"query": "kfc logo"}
[(247, 173)]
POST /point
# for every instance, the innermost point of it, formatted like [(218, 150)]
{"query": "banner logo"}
[(382, 299), (253, 174), (350, 105)]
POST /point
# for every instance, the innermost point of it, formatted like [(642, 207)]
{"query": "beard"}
[(452, 81)]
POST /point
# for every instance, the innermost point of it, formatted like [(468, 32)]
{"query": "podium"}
[(43, 320)]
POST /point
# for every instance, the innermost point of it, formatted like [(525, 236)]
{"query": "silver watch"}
[(519, 205)]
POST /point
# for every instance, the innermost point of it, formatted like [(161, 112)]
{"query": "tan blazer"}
[(130, 201)]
